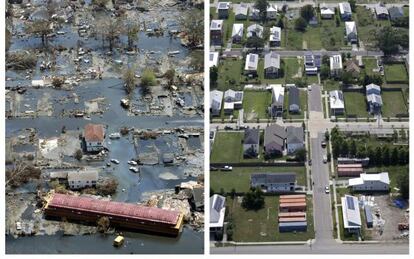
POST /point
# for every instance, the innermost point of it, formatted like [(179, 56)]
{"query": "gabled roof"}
[(336, 99), (326, 10), (335, 62), (374, 98), (237, 30), (251, 136), (373, 87), (217, 210), (275, 33), (381, 177), (350, 27), (351, 66), (381, 10), (255, 29), (213, 59), (216, 25), (272, 59), (86, 175), (350, 212), (294, 96), (233, 96), (276, 134), (94, 133), (269, 178), (271, 8), (223, 5), (216, 97), (278, 94), (345, 7), (252, 60), (241, 9), (396, 12), (294, 135)]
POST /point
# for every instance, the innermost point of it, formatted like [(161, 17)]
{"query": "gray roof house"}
[(252, 60), (381, 12), (294, 100), (274, 140), (295, 139), (217, 212), (374, 103), (395, 13), (223, 9), (351, 32), (216, 98), (271, 65), (275, 36), (216, 32), (274, 182), (251, 142), (255, 30), (234, 98), (254, 14), (240, 11)]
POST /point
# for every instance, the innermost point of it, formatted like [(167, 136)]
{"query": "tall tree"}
[(129, 80), (404, 184), (352, 3), (378, 156), (387, 40), (132, 30), (40, 28), (213, 75), (386, 156), (300, 24), (307, 13), (394, 156), (262, 5)]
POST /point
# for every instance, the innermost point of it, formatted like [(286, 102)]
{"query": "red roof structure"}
[(111, 208), (94, 133)]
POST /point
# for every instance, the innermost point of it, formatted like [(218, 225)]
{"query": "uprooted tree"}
[(193, 25)]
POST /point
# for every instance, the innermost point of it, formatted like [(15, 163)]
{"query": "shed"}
[(293, 226), (368, 216)]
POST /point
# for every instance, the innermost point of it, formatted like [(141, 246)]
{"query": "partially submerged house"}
[(278, 97), (336, 102), (274, 140), (251, 142), (252, 61), (272, 65), (275, 36), (345, 11), (223, 10), (94, 136), (82, 179), (237, 32), (255, 30), (295, 139), (240, 11), (370, 182), (274, 182), (335, 63), (350, 214), (216, 32), (351, 32), (216, 98), (217, 213), (294, 100)]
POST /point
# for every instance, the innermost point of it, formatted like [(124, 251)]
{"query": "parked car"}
[(327, 189), (134, 169), (227, 168), (115, 161), (325, 159), (228, 128), (323, 144), (310, 162), (132, 162)]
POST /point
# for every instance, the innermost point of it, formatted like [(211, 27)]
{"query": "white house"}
[(240, 11), (274, 182), (335, 65), (373, 89), (213, 59), (336, 102), (351, 32), (255, 30), (252, 60), (275, 36), (217, 212), (351, 214), (254, 14), (235, 97), (345, 11), (237, 32), (326, 12), (271, 12), (278, 97), (370, 182), (381, 12), (272, 65), (216, 98), (82, 179), (94, 136)]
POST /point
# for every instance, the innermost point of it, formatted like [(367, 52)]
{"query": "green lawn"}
[(303, 97), (229, 74), (293, 69), (355, 104), (225, 142), (329, 85), (255, 104), (262, 225), (294, 38), (395, 73), (367, 26), (370, 64), (312, 36), (239, 178), (394, 103), (332, 36)]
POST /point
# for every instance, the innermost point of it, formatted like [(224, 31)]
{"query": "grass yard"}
[(229, 140), (262, 225), (332, 36), (229, 74), (239, 178), (394, 103), (312, 36), (294, 38), (395, 73), (293, 69), (367, 25), (255, 104), (370, 64), (355, 104), (303, 98), (329, 85)]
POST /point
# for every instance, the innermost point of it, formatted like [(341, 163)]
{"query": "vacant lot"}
[(293, 69), (255, 104), (262, 225), (227, 147), (395, 73), (239, 178), (370, 64), (355, 104), (229, 74), (394, 103)]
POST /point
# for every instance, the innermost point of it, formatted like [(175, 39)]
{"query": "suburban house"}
[(237, 32), (294, 100), (82, 179), (352, 67), (335, 62), (271, 65), (381, 12), (278, 97), (232, 100), (295, 139), (351, 32), (254, 14), (275, 36), (271, 12), (252, 60), (326, 12), (255, 30), (312, 63), (351, 214), (94, 136), (240, 11), (336, 102), (217, 212), (213, 59), (274, 182), (216, 98), (345, 11), (370, 182), (395, 12), (223, 9), (374, 98), (251, 142), (274, 140), (216, 32)]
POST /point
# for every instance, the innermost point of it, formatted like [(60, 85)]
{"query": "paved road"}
[(315, 97), (296, 53)]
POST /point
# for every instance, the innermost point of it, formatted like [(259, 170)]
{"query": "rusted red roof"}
[(127, 210), (94, 132)]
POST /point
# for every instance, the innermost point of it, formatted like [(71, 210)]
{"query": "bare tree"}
[(193, 25), (40, 28), (132, 30), (110, 29), (129, 80)]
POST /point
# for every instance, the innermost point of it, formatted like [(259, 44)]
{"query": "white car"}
[(325, 159), (115, 161), (227, 168), (309, 87), (327, 189), (132, 162), (134, 169)]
